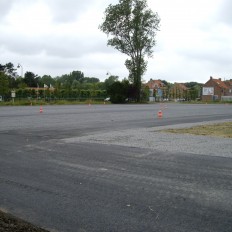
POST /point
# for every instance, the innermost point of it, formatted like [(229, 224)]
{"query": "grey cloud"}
[(72, 47), (63, 46), (224, 12), (5, 6), (66, 11), (214, 62), (218, 57)]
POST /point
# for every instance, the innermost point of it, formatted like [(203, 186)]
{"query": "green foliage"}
[(8, 69), (77, 75), (132, 28), (4, 84), (145, 94), (192, 84), (21, 85), (92, 80), (47, 80), (119, 91), (75, 84), (109, 81), (30, 80), (68, 79), (194, 90)]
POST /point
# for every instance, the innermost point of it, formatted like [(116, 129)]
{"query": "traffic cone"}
[(41, 109), (160, 114)]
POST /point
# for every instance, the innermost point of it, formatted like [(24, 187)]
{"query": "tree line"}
[(76, 86)]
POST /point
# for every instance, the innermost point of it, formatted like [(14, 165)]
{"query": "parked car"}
[(0, 98)]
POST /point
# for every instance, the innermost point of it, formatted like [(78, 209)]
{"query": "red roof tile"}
[(220, 83), (155, 84)]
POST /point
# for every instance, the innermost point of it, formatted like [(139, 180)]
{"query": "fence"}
[(226, 98)]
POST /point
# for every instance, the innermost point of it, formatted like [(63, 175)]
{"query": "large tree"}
[(131, 27)]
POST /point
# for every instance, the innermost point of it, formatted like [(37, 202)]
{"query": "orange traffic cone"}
[(160, 114), (41, 109)]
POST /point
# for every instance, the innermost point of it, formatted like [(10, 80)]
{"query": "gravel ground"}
[(155, 138), (9, 223)]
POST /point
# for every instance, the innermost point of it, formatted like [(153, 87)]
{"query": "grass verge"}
[(219, 130), (52, 102)]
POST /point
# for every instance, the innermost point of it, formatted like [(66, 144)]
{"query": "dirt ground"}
[(9, 223)]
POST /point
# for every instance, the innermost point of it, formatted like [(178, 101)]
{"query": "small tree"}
[(29, 79), (117, 92), (109, 81), (133, 27)]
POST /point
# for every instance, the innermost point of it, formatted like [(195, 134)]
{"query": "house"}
[(155, 84), (156, 89), (215, 89), (228, 92), (228, 83)]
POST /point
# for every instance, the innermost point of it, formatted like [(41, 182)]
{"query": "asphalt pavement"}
[(53, 173)]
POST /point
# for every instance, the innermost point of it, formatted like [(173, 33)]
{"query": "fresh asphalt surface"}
[(82, 187)]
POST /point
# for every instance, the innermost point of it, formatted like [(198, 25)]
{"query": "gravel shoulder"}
[(154, 138)]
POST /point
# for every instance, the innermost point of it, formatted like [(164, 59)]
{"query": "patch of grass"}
[(220, 129)]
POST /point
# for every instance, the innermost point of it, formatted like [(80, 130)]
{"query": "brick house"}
[(229, 85), (214, 89)]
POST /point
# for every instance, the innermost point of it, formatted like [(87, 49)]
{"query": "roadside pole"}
[(13, 95)]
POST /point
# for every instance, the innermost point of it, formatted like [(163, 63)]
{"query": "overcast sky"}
[(55, 37)]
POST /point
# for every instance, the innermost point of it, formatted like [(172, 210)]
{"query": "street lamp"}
[(20, 66)]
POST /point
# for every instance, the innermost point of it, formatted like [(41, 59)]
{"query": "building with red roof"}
[(215, 89)]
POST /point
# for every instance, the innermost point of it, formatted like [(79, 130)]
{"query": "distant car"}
[(0, 98), (107, 99), (179, 100), (130, 99)]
